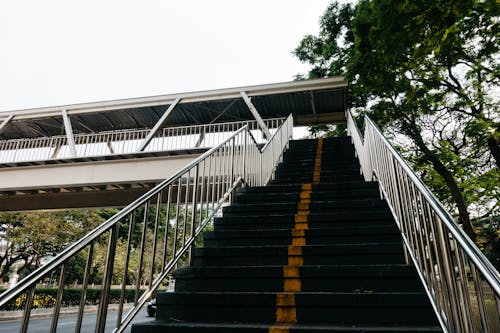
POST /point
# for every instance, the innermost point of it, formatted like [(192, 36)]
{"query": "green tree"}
[(426, 71), (31, 236)]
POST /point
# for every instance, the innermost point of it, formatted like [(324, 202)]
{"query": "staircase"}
[(314, 251)]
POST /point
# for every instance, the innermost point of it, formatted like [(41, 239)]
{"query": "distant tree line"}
[(30, 238)]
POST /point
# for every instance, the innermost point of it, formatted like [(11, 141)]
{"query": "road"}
[(67, 323)]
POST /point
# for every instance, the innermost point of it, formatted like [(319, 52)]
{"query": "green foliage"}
[(31, 236), (488, 230), (427, 72), (328, 131), (324, 53)]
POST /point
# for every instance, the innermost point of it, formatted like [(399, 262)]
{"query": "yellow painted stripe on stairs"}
[(305, 194), (306, 187), (292, 284), (286, 311), (291, 271), (298, 237), (279, 328), (317, 162), (303, 226), (303, 206), (295, 256), (303, 213), (291, 276)]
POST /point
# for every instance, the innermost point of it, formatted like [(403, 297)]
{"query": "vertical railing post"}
[(186, 200), (231, 172), (368, 147), (30, 294), (244, 157), (155, 235), (141, 251), (83, 296), (176, 225), (106, 285), (480, 298), (193, 213), (131, 225), (260, 168), (57, 307)]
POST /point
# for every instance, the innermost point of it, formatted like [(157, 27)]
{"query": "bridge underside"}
[(103, 196), (111, 183)]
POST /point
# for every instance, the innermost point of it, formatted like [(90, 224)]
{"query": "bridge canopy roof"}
[(316, 101)]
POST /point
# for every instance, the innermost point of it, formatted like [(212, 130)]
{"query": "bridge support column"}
[(69, 133), (256, 114)]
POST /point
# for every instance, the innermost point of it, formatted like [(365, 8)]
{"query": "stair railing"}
[(462, 284), (161, 228)]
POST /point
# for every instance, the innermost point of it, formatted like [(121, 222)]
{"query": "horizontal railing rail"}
[(146, 240), (463, 286), (127, 141)]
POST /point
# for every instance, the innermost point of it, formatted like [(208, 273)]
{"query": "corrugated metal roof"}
[(310, 102)]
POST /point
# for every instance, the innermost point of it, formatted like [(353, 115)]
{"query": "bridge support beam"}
[(157, 126), (200, 138), (256, 114), (69, 132), (3, 125)]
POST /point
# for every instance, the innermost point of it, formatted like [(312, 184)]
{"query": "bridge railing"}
[(463, 286), (127, 141), (146, 240)]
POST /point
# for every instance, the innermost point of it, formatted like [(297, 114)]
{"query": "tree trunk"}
[(4, 272), (494, 147), (440, 168)]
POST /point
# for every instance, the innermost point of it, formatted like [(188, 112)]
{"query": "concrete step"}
[(320, 187), (307, 179), (366, 193), (315, 220), (313, 236), (333, 278), (377, 308), (181, 327), (316, 206), (357, 253), (355, 213)]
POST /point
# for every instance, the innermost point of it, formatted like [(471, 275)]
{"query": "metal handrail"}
[(463, 286), (126, 141), (173, 214)]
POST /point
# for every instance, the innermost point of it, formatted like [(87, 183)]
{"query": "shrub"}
[(46, 297)]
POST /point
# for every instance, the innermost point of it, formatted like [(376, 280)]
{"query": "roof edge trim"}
[(189, 97)]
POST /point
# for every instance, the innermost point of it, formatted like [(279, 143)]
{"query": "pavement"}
[(49, 312), (67, 323)]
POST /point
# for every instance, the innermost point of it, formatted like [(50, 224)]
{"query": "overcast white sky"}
[(57, 52)]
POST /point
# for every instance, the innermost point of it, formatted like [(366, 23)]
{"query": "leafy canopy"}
[(428, 73)]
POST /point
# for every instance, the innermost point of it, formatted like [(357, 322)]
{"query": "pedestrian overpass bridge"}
[(75, 156), (301, 202)]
